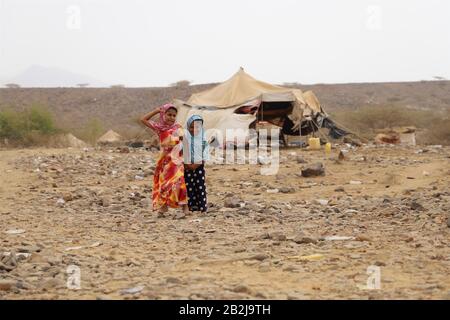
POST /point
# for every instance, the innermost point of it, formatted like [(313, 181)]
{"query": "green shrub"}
[(91, 131), (22, 126)]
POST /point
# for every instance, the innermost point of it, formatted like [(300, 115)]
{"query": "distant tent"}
[(242, 101), (110, 137)]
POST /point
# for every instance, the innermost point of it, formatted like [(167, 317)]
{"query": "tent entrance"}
[(273, 111)]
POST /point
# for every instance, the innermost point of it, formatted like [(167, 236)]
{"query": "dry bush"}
[(364, 121), (369, 118), (437, 133), (32, 126), (91, 131)]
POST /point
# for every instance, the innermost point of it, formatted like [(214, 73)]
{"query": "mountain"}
[(50, 77)]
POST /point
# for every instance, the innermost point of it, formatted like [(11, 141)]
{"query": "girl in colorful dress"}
[(195, 153), (169, 188)]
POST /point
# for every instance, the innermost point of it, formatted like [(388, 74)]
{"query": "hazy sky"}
[(150, 43)]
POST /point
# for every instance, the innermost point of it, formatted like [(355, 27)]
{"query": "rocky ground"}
[(277, 237)]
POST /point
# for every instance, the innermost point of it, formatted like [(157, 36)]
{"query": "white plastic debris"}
[(355, 182), (96, 244), (132, 290), (322, 202), (15, 231), (338, 238), (18, 255)]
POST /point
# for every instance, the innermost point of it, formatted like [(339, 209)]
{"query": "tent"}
[(242, 101), (110, 137)]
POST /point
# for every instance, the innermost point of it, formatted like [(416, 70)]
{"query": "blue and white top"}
[(195, 148)]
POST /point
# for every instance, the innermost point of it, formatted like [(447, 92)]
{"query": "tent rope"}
[(318, 130)]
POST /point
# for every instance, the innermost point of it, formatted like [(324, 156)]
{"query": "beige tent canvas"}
[(242, 101), (110, 137)]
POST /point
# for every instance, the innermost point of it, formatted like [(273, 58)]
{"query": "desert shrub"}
[(91, 131), (31, 126), (368, 118), (365, 120), (437, 133)]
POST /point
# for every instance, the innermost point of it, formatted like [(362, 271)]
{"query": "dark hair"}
[(172, 108)]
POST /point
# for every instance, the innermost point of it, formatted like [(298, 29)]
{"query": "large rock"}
[(233, 202), (304, 239), (313, 170)]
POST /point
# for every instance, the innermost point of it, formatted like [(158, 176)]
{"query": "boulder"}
[(313, 170)]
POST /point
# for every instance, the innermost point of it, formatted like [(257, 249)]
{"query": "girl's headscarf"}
[(195, 148), (162, 124)]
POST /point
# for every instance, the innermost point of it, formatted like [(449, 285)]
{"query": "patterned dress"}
[(169, 187), (195, 182)]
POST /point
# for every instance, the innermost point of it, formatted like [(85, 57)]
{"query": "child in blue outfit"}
[(195, 154)]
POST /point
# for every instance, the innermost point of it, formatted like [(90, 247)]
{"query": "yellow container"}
[(314, 143), (328, 148)]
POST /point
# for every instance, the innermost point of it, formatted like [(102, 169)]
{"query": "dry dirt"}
[(396, 209)]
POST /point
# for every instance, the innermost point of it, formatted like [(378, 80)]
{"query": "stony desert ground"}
[(265, 237)]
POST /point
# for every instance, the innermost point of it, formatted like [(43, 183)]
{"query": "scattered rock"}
[(105, 201), (29, 249), (363, 238), (180, 215), (314, 170), (173, 280), (302, 239), (300, 159), (241, 289), (287, 190), (233, 202), (277, 236), (259, 257), (67, 197), (51, 283), (416, 206), (6, 285)]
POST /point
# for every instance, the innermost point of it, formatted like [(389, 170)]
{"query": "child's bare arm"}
[(148, 116)]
